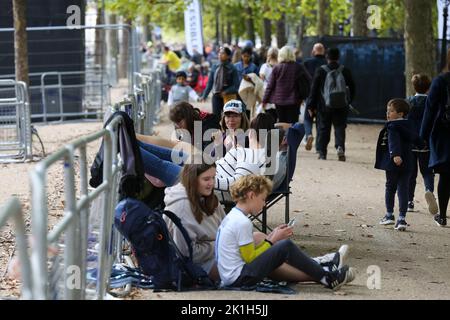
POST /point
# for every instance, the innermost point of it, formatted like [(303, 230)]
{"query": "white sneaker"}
[(343, 252), (431, 202)]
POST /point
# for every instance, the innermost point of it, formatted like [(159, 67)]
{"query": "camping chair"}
[(281, 189)]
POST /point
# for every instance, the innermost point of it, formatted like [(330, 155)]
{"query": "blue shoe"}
[(400, 225), (387, 220)]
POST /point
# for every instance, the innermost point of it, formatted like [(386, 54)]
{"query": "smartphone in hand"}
[(292, 222)]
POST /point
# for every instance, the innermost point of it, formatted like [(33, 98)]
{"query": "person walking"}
[(289, 85), (312, 64), (332, 92), (223, 81), (435, 130)]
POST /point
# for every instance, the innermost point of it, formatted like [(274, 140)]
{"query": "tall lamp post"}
[(446, 3)]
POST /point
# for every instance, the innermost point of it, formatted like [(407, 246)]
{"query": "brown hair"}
[(245, 123), (246, 184), (199, 204), (399, 105), (421, 83), (185, 111)]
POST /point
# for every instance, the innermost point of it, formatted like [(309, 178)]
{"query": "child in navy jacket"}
[(394, 155), (421, 155)]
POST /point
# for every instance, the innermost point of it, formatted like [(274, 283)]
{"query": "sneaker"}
[(440, 221), (431, 202), (334, 261), (340, 154), (309, 143), (411, 206), (387, 220), (336, 279), (322, 156), (400, 225)]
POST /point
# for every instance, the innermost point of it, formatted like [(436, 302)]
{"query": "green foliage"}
[(169, 14)]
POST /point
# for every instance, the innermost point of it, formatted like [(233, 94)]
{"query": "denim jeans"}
[(158, 162), (397, 181), (308, 123), (294, 137), (427, 173)]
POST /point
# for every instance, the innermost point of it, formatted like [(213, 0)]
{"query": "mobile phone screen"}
[(291, 223)]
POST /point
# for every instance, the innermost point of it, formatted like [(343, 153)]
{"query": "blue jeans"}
[(294, 137), (427, 173), (397, 181), (158, 162), (308, 123)]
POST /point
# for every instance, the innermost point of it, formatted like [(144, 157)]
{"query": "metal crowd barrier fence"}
[(13, 210), (75, 222), (147, 93), (15, 126)]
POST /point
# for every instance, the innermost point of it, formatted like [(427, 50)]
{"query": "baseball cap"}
[(233, 106)]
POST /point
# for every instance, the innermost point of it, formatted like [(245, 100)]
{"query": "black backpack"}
[(157, 254)]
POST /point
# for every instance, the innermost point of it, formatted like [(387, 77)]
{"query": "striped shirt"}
[(238, 162)]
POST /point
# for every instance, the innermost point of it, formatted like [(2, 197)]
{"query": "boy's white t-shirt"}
[(236, 230)]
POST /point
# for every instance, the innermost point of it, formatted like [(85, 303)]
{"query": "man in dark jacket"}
[(312, 64), (223, 81), (329, 115)]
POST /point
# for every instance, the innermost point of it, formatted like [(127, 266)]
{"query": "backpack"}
[(156, 253), (335, 92)]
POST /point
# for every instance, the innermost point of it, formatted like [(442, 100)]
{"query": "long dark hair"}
[(199, 204), (264, 125), (185, 111)]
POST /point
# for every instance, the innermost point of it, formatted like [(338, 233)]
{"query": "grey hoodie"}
[(203, 235)]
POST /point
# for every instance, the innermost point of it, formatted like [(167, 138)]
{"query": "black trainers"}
[(411, 206), (401, 225), (336, 279), (322, 156), (440, 221), (340, 153)]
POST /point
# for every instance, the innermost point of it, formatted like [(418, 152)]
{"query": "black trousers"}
[(336, 118), (217, 105), (288, 113)]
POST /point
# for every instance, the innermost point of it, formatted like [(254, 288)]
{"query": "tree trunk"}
[(301, 31), (222, 31), (323, 26), (281, 31), (360, 18), (419, 46), (229, 32), (20, 40), (100, 44), (112, 37), (124, 48), (250, 24), (267, 32), (217, 26)]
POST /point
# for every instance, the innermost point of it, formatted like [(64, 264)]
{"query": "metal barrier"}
[(75, 222), (72, 69), (15, 127), (147, 92), (13, 210)]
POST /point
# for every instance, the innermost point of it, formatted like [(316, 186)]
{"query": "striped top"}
[(238, 162)]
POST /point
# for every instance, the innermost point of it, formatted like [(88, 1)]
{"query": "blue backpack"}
[(157, 254)]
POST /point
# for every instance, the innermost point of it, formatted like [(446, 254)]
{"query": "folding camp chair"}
[(281, 189)]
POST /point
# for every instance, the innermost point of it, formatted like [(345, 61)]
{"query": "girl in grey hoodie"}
[(194, 202)]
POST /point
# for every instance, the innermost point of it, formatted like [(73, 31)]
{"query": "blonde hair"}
[(272, 54), (257, 184), (286, 54)]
